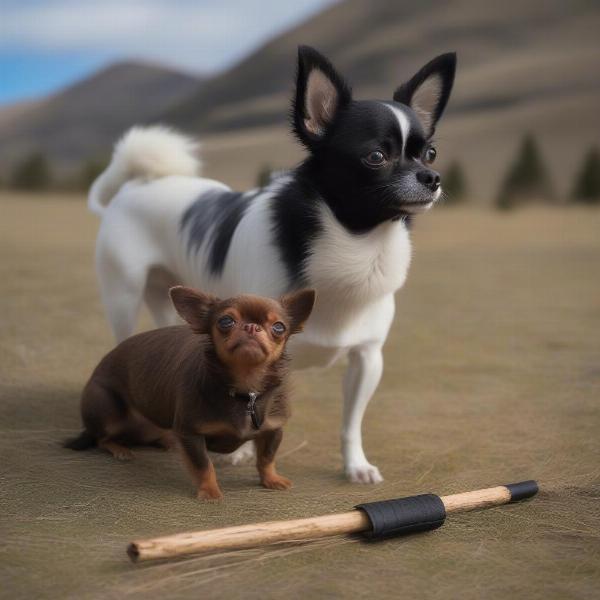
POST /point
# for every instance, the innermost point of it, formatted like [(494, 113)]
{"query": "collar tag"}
[(251, 409), (250, 398)]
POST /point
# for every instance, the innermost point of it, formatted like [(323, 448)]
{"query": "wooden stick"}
[(354, 521)]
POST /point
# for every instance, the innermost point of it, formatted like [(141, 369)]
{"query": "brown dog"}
[(211, 386)]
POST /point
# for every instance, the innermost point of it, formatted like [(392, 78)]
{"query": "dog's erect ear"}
[(193, 306), (298, 306), (320, 93), (428, 91)]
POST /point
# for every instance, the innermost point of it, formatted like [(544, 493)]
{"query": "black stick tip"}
[(133, 552), (522, 490)]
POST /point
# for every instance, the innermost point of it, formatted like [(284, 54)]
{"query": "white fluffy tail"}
[(147, 153)]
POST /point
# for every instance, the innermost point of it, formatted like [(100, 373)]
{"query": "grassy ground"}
[(492, 375)]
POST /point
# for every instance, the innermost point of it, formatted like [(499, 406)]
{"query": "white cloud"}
[(202, 35)]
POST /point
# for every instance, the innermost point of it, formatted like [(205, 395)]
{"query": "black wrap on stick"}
[(404, 515)]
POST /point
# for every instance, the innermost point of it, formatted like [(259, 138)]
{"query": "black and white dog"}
[(337, 223)]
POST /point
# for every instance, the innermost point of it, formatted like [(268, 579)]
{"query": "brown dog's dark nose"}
[(251, 328), (429, 179)]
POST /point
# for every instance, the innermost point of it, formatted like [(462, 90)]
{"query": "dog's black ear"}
[(428, 91), (320, 93), (298, 306), (193, 306)]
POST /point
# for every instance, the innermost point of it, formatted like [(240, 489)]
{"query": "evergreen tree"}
[(527, 177), (454, 184), (264, 176), (32, 173), (90, 170), (587, 181)]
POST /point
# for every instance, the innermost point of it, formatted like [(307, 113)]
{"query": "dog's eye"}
[(429, 155), (374, 159), (225, 322), (278, 328)]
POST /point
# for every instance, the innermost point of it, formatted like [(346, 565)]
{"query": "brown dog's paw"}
[(209, 495), (118, 451), (124, 454), (168, 442), (276, 482)]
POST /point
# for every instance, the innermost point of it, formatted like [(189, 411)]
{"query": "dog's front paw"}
[(363, 473), (276, 482), (244, 454), (124, 454), (209, 494), (168, 442)]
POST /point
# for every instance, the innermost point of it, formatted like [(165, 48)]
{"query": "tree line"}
[(526, 178), (34, 173)]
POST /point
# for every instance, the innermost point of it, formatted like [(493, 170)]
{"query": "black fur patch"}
[(214, 217), (295, 225)]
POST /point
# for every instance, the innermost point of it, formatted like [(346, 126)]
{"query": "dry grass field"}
[(492, 375)]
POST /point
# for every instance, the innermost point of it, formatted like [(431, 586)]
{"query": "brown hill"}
[(83, 120), (523, 66)]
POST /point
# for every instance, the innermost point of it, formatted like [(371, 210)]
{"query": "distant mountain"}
[(510, 52), (524, 66), (83, 120), (528, 65)]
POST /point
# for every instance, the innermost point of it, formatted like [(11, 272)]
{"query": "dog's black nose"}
[(429, 179)]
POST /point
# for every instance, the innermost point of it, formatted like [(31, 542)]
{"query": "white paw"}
[(244, 454), (363, 473)]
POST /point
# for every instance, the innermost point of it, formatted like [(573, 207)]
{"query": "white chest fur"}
[(359, 267), (355, 277)]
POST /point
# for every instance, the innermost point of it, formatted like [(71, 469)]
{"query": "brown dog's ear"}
[(298, 305), (193, 306)]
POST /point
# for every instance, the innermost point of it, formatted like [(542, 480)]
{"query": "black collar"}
[(243, 395)]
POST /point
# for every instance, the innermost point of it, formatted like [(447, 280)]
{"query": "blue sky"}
[(47, 44)]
